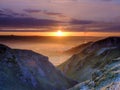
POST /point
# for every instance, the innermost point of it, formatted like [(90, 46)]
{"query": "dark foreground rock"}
[(27, 70)]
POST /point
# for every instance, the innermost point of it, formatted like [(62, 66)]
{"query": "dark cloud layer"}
[(9, 18), (81, 21), (8, 12), (25, 22), (25, 30)]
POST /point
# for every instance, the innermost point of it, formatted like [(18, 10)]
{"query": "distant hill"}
[(78, 48), (27, 70), (95, 56)]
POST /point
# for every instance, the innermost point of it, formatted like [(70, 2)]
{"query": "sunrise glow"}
[(59, 33)]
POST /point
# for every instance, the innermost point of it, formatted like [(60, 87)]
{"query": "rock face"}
[(82, 65), (27, 70), (107, 78)]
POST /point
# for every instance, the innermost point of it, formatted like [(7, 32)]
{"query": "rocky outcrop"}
[(107, 78), (27, 70), (82, 65)]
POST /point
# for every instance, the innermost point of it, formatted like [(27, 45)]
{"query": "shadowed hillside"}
[(27, 70)]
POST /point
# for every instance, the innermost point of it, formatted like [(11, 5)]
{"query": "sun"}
[(59, 33)]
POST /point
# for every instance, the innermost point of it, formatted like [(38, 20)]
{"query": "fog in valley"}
[(52, 47)]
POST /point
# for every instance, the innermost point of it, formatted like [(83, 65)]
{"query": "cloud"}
[(63, 1), (2, 14), (67, 1), (112, 28), (8, 12), (53, 13), (9, 18), (45, 12), (93, 27), (1, 10), (25, 30), (106, 0), (32, 10), (74, 21), (26, 22)]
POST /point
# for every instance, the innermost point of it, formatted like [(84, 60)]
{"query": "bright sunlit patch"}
[(60, 33)]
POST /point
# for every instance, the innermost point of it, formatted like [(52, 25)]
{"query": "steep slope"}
[(27, 70), (107, 78), (81, 66)]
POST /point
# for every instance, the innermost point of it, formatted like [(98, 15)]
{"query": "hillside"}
[(27, 70), (78, 48), (82, 65), (107, 78)]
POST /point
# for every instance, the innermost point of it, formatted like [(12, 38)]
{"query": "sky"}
[(19, 16)]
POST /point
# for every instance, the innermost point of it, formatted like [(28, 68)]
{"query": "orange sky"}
[(64, 33)]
